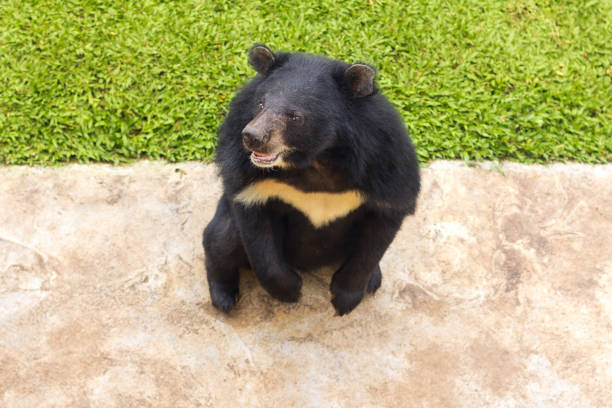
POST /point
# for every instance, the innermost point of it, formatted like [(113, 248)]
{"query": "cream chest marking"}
[(321, 208)]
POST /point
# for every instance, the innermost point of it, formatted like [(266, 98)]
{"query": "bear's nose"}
[(253, 138)]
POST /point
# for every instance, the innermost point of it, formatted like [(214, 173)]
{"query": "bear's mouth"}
[(261, 159)]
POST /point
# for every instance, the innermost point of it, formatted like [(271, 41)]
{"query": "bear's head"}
[(300, 102)]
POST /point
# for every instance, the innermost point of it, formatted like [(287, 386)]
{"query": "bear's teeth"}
[(264, 157)]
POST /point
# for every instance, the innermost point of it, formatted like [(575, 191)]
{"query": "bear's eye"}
[(296, 117), (260, 106)]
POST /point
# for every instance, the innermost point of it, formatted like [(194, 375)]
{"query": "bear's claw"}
[(374, 282)]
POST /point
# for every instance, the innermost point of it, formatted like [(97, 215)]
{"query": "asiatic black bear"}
[(317, 170)]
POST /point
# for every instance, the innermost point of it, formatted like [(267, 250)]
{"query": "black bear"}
[(318, 170)]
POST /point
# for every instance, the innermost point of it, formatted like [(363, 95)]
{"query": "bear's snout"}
[(253, 138)]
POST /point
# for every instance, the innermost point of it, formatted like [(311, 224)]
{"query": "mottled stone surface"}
[(497, 293)]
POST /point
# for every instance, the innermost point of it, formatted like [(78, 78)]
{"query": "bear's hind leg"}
[(224, 256)]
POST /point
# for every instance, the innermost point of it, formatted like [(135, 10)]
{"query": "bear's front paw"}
[(344, 300), (286, 288), (223, 296)]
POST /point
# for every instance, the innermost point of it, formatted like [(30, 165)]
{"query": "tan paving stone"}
[(497, 293)]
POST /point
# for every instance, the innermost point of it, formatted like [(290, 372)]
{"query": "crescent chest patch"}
[(320, 207)]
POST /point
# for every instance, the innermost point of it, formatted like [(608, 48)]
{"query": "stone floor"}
[(498, 293)]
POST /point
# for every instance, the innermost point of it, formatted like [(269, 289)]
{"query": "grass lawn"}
[(114, 81)]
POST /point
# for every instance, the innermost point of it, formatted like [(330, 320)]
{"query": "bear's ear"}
[(261, 58), (360, 80)]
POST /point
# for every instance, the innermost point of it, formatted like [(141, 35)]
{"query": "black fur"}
[(344, 135)]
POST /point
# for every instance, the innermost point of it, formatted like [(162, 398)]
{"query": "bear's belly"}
[(320, 207), (306, 247)]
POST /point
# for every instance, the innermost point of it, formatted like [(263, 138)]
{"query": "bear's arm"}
[(374, 237), (262, 237)]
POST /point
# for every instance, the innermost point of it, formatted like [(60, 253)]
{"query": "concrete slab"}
[(497, 293)]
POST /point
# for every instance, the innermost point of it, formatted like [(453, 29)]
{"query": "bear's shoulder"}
[(378, 156)]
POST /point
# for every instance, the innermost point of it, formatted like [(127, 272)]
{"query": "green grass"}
[(114, 81)]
